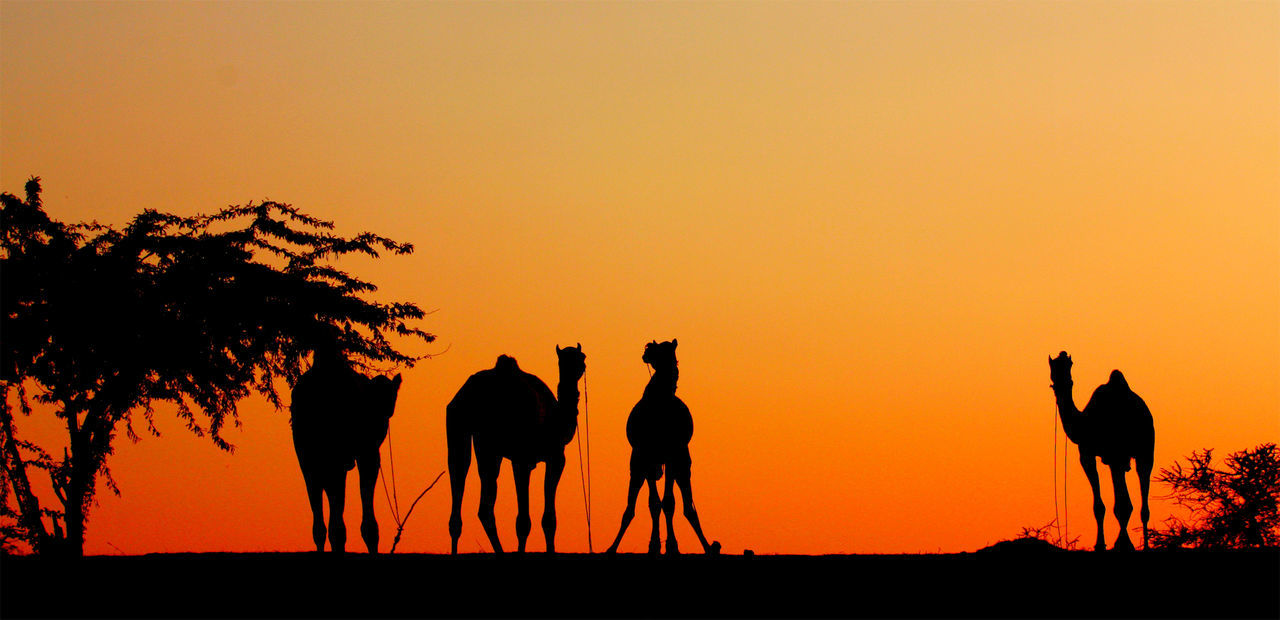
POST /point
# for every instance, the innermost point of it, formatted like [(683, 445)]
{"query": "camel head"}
[(382, 395), (329, 354), (328, 345), (573, 363), (660, 354), (1060, 370)]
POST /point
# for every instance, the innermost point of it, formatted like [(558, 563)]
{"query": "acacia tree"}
[(1231, 508), (101, 325)]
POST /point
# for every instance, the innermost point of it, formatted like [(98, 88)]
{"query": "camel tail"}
[(458, 434)]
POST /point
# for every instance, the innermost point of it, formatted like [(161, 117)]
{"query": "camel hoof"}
[(714, 549), (655, 548), (673, 548)]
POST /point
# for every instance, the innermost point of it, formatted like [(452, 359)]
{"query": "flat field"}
[(1022, 584)]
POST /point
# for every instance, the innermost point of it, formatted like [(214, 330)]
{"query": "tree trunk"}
[(79, 488), (73, 544)]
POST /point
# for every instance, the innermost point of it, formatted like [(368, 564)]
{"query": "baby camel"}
[(659, 429)]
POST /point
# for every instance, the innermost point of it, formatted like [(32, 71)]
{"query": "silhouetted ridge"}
[(1022, 545)]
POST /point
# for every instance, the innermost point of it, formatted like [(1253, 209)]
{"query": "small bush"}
[(1231, 508)]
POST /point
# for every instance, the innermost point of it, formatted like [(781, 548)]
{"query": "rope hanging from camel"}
[(393, 505), (1057, 520), (585, 474), (1062, 525), (391, 459), (400, 524), (393, 496)]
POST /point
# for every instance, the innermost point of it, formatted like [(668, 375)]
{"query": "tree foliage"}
[(101, 325), (1231, 508)]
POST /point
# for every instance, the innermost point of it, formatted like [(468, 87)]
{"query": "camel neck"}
[(567, 394), (663, 382), (1067, 410)]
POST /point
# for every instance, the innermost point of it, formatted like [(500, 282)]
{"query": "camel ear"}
[(579, 347), (396, 381), (675, 342), (557, 349)]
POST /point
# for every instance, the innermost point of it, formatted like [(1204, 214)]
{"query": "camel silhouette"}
[(508, 413), (339, 420), (1116, 426), (659, 430)]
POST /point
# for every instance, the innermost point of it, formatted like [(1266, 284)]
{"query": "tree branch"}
[(15, 471)]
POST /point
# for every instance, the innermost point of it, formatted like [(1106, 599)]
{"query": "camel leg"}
[(655, 510), (336, 489), (1090, 465), (488, 466), (315, 495), (555, 467), (459, 465), (691, 514), (1123, 508), (368, 467), (633, 490), (1144, 466), (669, 509), (520, 474)]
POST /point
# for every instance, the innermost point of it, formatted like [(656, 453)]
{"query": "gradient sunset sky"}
[(868, 224)]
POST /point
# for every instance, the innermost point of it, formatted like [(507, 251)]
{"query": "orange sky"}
[(868, 224)]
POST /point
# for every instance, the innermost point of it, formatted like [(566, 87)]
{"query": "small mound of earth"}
[(1022, 545)]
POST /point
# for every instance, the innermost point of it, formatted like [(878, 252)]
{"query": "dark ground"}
[(1004, 583)]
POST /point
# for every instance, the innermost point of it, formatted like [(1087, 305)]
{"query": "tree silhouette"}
[(101, 325), (1231, 508)]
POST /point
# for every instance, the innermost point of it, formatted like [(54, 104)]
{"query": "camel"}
[(1116, 426), (340, 419), (659, 429), (508, 413)]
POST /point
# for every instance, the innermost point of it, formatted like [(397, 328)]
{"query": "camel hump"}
[(1117, 380), (506, 363)]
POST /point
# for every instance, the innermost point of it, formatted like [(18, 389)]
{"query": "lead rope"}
[(393, 496), (585, 474), (1064, 529), (1057, 518), (391, 458), (394, 505)]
